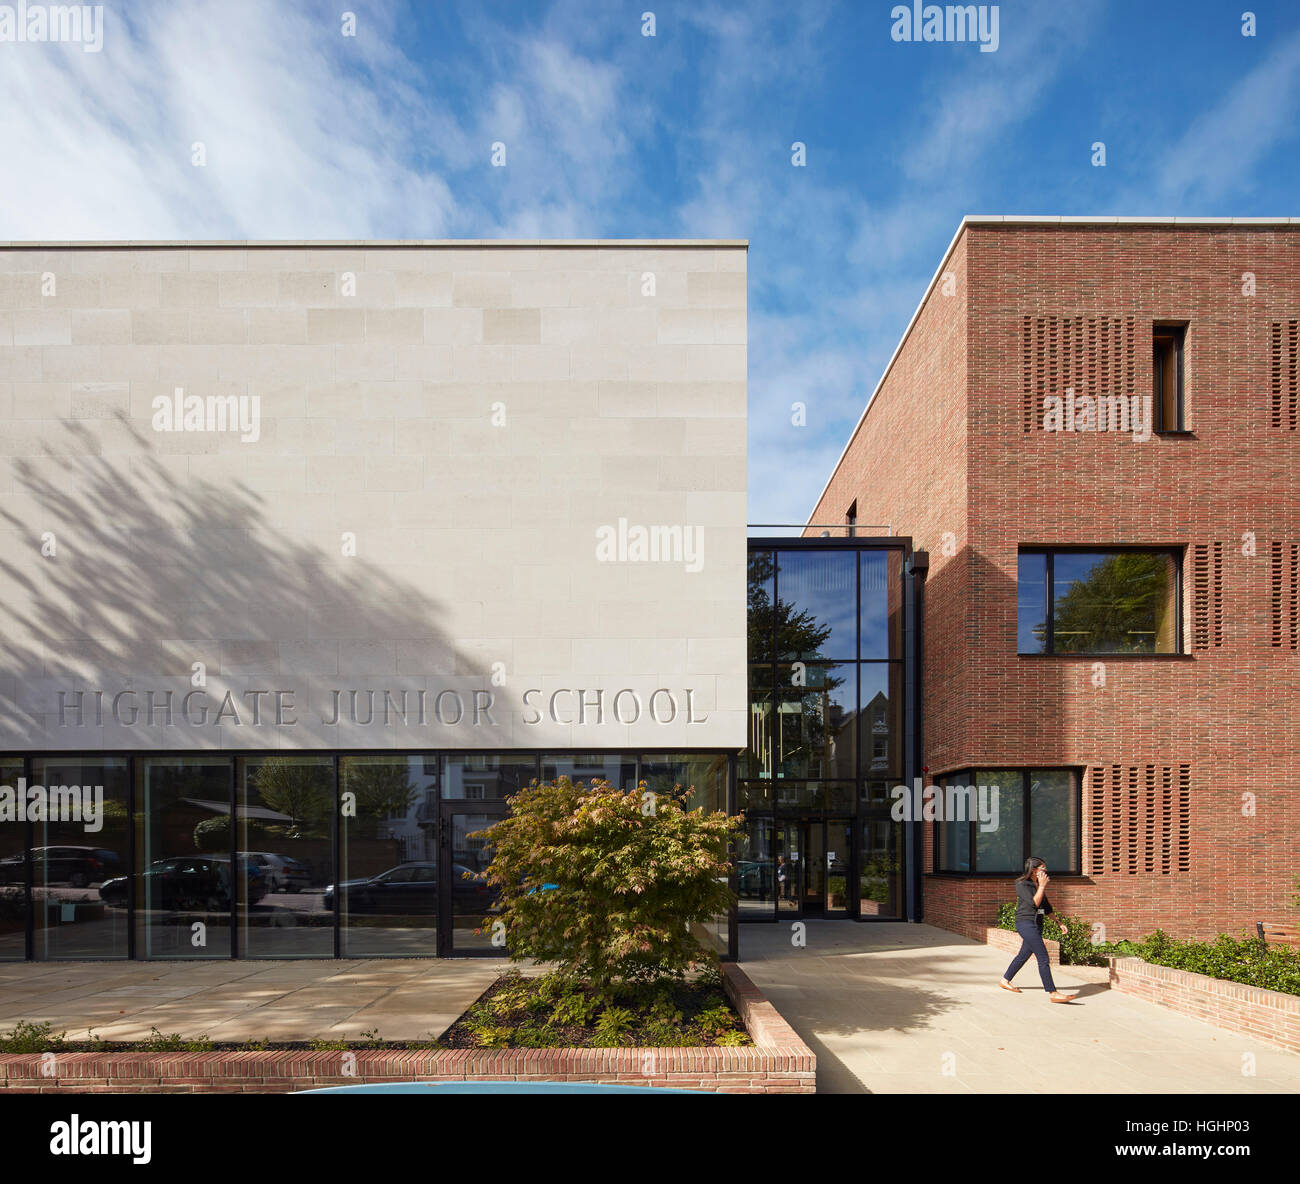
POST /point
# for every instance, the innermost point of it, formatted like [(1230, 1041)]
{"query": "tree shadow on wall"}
[(155, 571)]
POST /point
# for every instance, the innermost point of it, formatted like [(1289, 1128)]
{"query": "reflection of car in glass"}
[(753, 878), (75, 866), (412, 888), (187, 882), (282, 872)]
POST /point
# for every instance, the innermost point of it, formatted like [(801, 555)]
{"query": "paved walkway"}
[(899, 1008), (416, 999)]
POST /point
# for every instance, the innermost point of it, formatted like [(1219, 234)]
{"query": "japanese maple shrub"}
[(607, 883)]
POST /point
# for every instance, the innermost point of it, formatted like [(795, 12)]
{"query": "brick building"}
[(1111, 614)]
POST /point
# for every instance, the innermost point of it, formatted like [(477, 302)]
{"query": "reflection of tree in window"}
[(794, 632), (383, 789), (1123, 603)]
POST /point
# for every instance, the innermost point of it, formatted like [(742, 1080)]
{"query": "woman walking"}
[(1031, 906)]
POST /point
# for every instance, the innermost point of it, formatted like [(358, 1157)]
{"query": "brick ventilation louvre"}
[(1284, 595), (1207, 596), (1284, 376), (1139, 819), (1092, 355)]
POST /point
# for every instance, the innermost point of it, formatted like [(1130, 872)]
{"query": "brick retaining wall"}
[(1270, 1016), (778, 1062)]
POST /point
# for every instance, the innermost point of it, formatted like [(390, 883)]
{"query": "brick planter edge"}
[(1270, 1016), (778, 1062)]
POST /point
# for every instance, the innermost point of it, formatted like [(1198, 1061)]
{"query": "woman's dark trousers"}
[(1031, 942)]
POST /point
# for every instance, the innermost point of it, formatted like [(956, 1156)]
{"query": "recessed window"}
[(851, 520), (1167, 377), (1098, 602), (994, 819)]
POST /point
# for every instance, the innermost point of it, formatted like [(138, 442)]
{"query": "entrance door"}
[(814, 867), (466, 902), (839, 861)]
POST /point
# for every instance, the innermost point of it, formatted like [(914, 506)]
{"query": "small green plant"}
[(255, 1046), (372, 1038), (613, 1027), (733, 1039), (715, 1021), (29, 1037), (157, 1042), (490, 1036), (320, 1044), (576, 1007)]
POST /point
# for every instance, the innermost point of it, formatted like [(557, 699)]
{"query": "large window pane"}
[(756, 761), (816, 613), (954, 845), (619, 771), (882, 604), (13, 870), (880, 739), (1053, 818), (880, 874), (183, 876), (816, 712), (388, 878), (1031, 603), (285, 816), (1000, 843), (761, 615), (77, 852), (704, 773), (482, 776), (1113, 602), (755, 877)]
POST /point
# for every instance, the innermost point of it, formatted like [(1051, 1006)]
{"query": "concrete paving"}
[(903, 1008), (409, 999)]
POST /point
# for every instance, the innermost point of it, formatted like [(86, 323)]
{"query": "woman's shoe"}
[(1006, 986), (1060, 997)]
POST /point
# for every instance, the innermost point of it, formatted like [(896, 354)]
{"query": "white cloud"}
[(1221, 149)]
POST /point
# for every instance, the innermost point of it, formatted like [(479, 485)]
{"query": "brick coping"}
[(777, 1062)]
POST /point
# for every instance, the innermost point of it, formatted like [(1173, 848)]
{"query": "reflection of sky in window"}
[(1031, 604), (875, 604), (825, 587)]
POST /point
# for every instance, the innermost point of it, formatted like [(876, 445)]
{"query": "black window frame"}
[(1176, 551), (970, 776), (1178, 331)]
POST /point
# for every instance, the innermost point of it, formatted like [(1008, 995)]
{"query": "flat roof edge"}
[(373, 243), (1115, 220)]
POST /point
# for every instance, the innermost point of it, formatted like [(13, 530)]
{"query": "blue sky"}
[(310, 134)]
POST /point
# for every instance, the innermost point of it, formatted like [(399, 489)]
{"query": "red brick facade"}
[(1188, 763)]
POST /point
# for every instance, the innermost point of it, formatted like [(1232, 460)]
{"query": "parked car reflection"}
[(412, 888), (78, 867), (187, 882)]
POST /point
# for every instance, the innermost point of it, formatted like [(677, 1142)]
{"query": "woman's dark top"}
[(1026, 909)]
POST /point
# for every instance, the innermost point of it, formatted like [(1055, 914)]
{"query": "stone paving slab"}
[(903, 1008), (404, 999)]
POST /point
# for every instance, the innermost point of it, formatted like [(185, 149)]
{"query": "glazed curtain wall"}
[(330, 855), (825, 718)]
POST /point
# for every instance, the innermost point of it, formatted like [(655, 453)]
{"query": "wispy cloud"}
[(1219, 153)]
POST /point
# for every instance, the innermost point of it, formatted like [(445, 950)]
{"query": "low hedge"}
[(1245, 960)]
